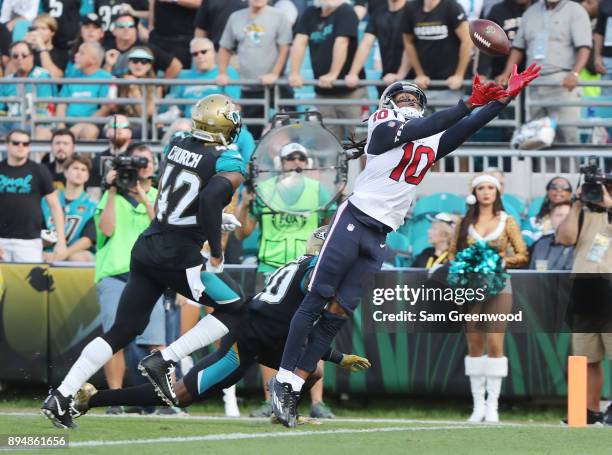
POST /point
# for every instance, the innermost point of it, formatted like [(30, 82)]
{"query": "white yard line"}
[(460, 423), (277, 434)]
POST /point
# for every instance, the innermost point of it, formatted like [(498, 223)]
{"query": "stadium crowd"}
[(74, 198)]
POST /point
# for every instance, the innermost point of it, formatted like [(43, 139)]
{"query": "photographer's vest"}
[(593, 251), (284, 235)]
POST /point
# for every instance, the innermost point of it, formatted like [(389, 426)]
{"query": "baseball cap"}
[(92, 18), (292, 147)]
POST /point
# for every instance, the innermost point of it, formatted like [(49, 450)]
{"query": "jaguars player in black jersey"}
[(198, 178), (260, 338)]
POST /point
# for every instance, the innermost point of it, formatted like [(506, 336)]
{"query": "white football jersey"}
[(386, 187)]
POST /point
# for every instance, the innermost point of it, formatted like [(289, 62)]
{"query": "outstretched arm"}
[(351, 362)]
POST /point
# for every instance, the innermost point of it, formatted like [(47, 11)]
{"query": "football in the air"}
[(489, 37)]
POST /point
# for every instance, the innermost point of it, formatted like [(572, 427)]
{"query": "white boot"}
[(496, 371), (475, 369), (231, 404)]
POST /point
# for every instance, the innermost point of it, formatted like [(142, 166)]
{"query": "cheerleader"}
[(486, 221)]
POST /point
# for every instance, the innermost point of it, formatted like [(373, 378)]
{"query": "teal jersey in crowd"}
[(77, 214), (84, 90), (245, 143), (42, 90), (199, 91)]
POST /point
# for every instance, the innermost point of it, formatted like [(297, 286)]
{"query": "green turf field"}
[(389, 428)]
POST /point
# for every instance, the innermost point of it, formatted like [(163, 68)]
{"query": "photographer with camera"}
[(589, 227), (119, 134), (124, 212)]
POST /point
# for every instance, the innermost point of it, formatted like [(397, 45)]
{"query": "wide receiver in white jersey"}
[(401, 146)]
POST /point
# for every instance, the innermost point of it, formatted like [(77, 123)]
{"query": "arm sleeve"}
[(303, 24), (228, 40), (46, 181), (519, 41), (520, 256), (230, 161), (213, 197), (581, 29), (89, 231), (456, 15), (462, 130), (385, 136), (333, 356), (285, 34), (408, 19), (346, 23)]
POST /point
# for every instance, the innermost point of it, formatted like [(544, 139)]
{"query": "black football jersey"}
[(68, 17), (284, 290), (189, 165)]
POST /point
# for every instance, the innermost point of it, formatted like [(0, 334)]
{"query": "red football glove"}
[(482, 94), (518, 82)]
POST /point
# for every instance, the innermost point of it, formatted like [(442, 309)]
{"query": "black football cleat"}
[(159, 372), (284, 402), (58, 409)]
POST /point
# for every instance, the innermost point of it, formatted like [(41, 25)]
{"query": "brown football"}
[(489, 37)]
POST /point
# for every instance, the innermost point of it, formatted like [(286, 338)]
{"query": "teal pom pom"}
[(478, 266)]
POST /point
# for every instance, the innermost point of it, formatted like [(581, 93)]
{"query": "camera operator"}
[(589, 227), (124, 212), (119, 134)]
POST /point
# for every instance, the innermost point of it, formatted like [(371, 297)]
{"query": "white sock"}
[(290, 377), (92, 358), (206, 331)]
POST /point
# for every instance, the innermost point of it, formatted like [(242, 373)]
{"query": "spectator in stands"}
[(107, 9), (91, 30), (439, 235), (562, 48), (260, 35), (438, 45), (589, 227), (212, 17), (330, 32), (23, 183), (558, 191), (67, 13), (546, 253), (473, 8), (22, 59), (205, 68), (172, 27), (88, 61), (384, 25), (78, 209), (5, 43), (507, 14), (120, 218), (62, 150), (46, 55), (119, 134), (126, 37), (140, 66), (602, 44), (283, 236), (486, 221)]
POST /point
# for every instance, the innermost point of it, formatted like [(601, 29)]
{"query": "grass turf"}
[(536, 430)]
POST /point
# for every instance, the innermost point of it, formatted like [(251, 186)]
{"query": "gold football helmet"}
[(215, 119)]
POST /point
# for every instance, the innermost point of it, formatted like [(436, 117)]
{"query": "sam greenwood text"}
[(451, 316)]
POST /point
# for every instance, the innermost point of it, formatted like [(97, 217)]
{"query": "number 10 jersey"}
[(386, 187)]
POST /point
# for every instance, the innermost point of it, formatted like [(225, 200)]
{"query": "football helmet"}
[(215, 119), (386, 99)]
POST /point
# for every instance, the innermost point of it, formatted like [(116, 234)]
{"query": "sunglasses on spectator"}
[(203, 52), (296, 157), (142, 61), (554, 186), (125, 24), (18, 56), (18, 143)]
